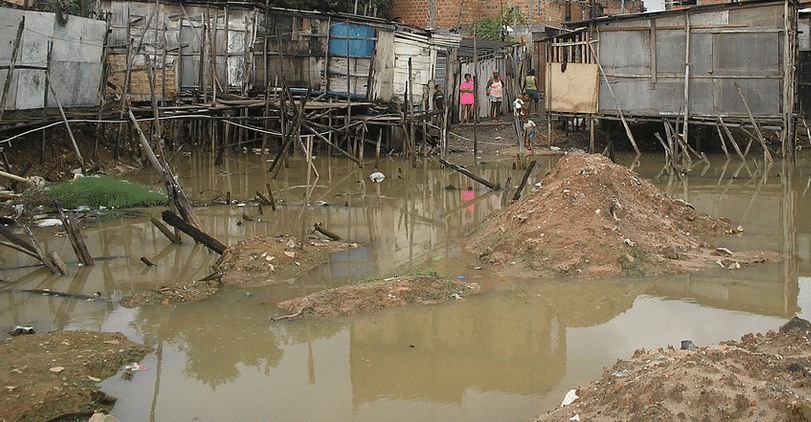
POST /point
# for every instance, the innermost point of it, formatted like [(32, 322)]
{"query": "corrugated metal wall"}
[(644, 60), (74, 63)]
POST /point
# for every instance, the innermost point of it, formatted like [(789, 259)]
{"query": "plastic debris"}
[(377, 177), (135, 367), (570, 397), (57, 369), (688, 345), (49, 222), (19, 330), (575, 418)]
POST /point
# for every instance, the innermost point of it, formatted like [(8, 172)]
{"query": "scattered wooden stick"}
[(467, 173), (198, 235), (261, 199), (173, 237), (43, 256), (523, 183), (270, 194), (323, 230), (766, 154), (74, 235), (507, 186), (146, 261)]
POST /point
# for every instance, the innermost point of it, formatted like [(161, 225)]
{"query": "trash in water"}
[(377, 177), (135, 367)]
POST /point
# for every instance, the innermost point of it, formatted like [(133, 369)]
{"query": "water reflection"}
[(506, 355)]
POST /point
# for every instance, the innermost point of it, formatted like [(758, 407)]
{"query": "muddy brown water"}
[(506, 355)]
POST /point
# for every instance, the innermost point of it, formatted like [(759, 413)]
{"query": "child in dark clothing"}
[(439, 102)]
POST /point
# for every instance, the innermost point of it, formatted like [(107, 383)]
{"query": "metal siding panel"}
[(668, 95), (80, 40), (30, 89), (667, 43), (633, 96), (39, 29), (76, 84), (625, 53), (762, 95), (747, 54), (701, 54), (768, 16)]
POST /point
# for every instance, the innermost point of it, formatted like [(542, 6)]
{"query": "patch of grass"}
[(99, 190)]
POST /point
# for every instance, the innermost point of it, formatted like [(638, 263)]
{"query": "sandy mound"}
[(51, 376), (370, 297), (759, 378), (591, 217)]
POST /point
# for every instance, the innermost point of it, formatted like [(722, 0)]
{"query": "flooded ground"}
[(506, 355)]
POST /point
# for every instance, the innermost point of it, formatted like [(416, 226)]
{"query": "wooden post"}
[(65, 120), (686, 74), (10, 74), (731, 139), (475, 94), (766, 154), (173, 237), (74, 235), (524, 179)]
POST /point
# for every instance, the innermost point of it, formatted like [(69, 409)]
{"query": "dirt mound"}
[(759, 378), (370, 297), (54, 375), (591, 217)]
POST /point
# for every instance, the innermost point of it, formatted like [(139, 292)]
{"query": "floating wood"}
[(261, 199), (198, 235), (43, 256), (173, 237), (467, 173), (270, 194), (524, 179), (74, 235), (147, 262), (507, 186), (323, 230)]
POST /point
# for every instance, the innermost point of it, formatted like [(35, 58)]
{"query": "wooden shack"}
[(732, 63), (243, 48)]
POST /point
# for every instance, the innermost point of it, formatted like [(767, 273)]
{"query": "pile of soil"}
[(53, 376), (253, 262), (593, 218), (370, 297), (759, 378)]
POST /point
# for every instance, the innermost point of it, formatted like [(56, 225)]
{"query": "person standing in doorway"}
[(531, 89), (439, 103), (495, 90), (466, 98)]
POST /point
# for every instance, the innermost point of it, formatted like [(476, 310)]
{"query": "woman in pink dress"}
[(466, 98)]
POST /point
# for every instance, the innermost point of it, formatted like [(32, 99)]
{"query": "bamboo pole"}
[(74, 235), (65, 120)]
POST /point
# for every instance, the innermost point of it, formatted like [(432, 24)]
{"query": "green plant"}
[(494, 28), (99, 190)]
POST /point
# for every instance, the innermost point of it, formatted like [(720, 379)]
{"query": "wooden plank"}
[(198, 235)]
